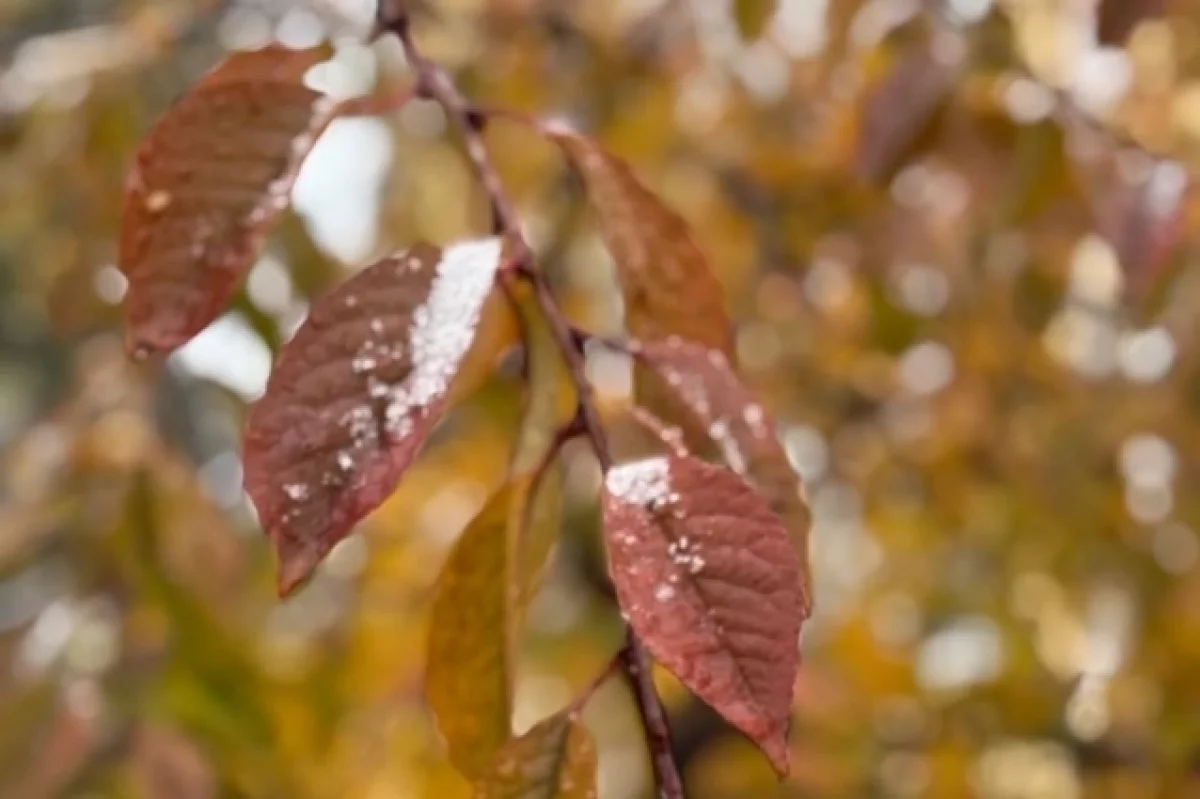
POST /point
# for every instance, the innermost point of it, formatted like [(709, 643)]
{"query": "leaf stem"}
[(583, 697), (435, 83), (669, 435)]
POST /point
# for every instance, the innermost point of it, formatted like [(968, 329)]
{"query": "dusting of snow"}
[(443, 327), (157, 201), (644, 482), (664, 593), (686, 553), (754, 417), (297, 492), (439, 336), (719, 432)]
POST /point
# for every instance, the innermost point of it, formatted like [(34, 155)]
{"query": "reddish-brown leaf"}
[(721, 404), (354, 395), (666, 283), (708, 579), (206, 185), (900, 108), (665, 278), (1144, 222)]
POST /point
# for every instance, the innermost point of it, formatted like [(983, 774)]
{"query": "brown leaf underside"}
[(207, 184), (666, 283), (899, 110), (665, 278), (721, 404), (710, 582), (554, 760), (355, 393)]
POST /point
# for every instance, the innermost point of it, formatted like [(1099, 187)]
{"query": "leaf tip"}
[(777, 752), (295, 569), (139, 348)]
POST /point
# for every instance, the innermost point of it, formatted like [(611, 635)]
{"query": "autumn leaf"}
[(709, 581), (721, 404), (900, 108), (549, 405), (666, 282), (554, 760), (207, 184), (468, 681), (492, 572), (356, 392)]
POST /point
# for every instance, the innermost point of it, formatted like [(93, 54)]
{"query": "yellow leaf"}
[(468, 683), (554, 760)]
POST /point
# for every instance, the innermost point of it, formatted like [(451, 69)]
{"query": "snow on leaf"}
[(666, 283), (719, 403), (355, 393), (207, 184), (708, 579), (554, 760)]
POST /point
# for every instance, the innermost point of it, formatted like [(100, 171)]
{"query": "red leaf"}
[(207, 184), (709, 581), (354, 395), (721, 404), (899, 109), (666, 282)]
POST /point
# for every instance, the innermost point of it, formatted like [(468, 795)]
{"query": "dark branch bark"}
[(435, 83)]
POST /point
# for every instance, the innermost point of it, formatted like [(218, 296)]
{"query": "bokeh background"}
[(960, 242)]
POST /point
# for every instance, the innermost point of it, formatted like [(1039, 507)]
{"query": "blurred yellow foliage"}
[(965, 288)]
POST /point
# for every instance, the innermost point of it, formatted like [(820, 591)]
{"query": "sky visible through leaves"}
[(957, 244)]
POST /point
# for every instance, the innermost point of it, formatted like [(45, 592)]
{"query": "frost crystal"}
[(754, 417), (296, 491), (644, 482), (719, 432), (443, 327)]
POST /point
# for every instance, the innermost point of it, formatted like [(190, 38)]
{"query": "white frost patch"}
[(443, 328), (296, 492), (641, 482)]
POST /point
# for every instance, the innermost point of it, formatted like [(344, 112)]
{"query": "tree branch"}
[(435, 83)]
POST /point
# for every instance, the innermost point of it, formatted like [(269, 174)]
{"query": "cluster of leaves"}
[(995, 454), (710, 573)]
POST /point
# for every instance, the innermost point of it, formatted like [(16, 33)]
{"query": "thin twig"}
[(377, 104), (434, 82), (670, 435), (583, 697)]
